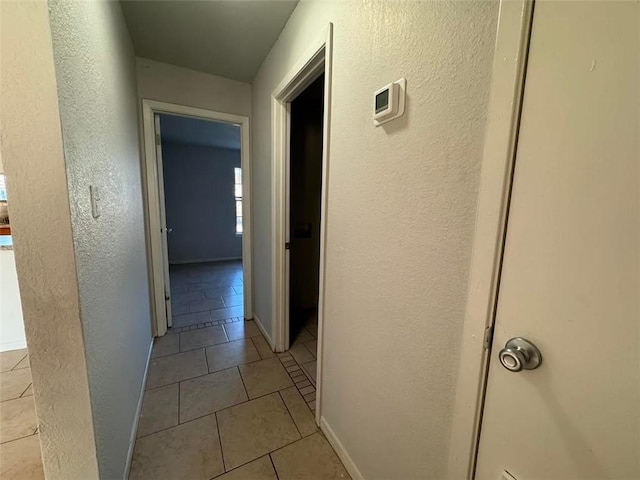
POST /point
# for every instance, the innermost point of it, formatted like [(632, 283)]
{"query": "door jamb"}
[(316, 60), (508, 76), (149, 108)]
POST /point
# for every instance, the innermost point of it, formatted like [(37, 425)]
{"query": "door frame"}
[(503, 121), (149, 108), (316, 60)]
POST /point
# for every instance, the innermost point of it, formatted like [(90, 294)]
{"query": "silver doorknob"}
[(520, 354)]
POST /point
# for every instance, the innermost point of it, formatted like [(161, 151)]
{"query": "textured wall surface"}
[(400, 217), (41, 226), (95, 70), (168, 83), (200, 202)]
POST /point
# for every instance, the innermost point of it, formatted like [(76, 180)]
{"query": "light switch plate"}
[(95, 201)]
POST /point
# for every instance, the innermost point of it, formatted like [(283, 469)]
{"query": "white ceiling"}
[(193, 131), (229, 38)]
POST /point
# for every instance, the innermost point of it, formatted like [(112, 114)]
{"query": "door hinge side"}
[(287, 246), (488, 338), (158, 140)]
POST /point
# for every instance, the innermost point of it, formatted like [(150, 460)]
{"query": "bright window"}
[(3, 189), (237, 192)]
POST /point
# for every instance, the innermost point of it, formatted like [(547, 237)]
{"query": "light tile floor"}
[(20, 457), (205, 292), (220, 404)]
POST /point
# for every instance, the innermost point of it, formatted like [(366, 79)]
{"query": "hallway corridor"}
[(219, 400)]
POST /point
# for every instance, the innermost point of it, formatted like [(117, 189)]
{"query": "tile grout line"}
[(243, 385), (25, 390), (274, 466), (286, 356), (21, 438), (15, 367), (217, 411), (204, 374), (179, 403), (224, 467), (289, 412), (23, 393)]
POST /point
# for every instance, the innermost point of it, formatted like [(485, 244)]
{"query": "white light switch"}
[(95, 201)]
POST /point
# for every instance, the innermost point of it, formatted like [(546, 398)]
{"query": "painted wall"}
[(400, 220), (168, 83), (12, 334), (96, 75), (44, 250), (200, 203)]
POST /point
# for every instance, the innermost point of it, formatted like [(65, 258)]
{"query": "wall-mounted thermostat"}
[(388, 102)]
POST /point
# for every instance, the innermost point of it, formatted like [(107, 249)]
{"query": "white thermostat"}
[(388, 102)]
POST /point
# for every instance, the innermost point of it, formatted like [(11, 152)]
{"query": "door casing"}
[(505, 106), (163, 221), (310, 66), (153, 207)]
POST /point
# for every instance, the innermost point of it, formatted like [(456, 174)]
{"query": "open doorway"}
[(198, 187), (305, 200), (202, 186), (19, 437), (301, 106)]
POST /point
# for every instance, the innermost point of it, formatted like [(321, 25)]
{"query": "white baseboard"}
[(339, 448), (136, 420), (205, 260), (264, 332)]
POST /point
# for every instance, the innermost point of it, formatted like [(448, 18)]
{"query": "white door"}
[(163, 221), (570, 276)]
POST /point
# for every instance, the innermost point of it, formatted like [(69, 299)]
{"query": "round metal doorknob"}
[(520, 354)]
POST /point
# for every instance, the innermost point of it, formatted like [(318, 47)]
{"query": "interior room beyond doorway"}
[(202, 179)]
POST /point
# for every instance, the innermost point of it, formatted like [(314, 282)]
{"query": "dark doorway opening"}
[(305, 184)]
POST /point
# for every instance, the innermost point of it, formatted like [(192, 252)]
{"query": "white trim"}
[(348, 463), (316, 60), (136, 420), (149, 107), (164, 239), (204, 260), (267, 337), (509, 67)]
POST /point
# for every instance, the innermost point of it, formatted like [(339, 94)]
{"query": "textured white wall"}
[(42, 232), (400, 217), (95, 70), (12, 334), (168, 83)]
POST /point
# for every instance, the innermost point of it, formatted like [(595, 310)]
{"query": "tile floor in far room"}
[(20, 457), (205, 292), (220, 404)]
